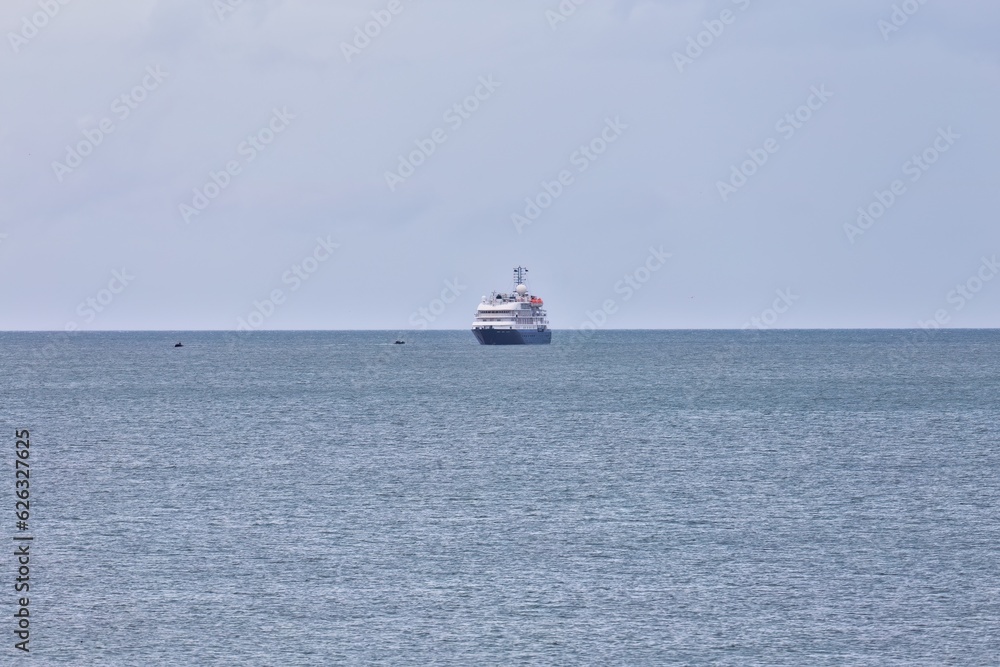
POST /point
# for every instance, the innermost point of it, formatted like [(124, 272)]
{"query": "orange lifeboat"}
[(536, 301)]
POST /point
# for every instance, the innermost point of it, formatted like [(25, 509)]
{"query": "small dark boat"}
[(179, 345), (400, 342)]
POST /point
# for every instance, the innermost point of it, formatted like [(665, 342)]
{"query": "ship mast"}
[(520, 277)]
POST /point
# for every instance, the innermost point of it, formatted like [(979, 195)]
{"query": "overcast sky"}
[(271, 149)]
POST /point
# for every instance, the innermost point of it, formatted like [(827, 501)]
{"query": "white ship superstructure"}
[(515, 318)]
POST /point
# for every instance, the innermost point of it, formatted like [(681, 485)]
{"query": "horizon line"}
[(419, 331)]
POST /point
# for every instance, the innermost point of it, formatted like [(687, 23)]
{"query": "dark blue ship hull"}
[(513, 336)]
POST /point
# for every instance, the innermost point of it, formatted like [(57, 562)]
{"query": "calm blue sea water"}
[(734, 498)]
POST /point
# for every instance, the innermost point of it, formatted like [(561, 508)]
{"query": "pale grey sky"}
[(642, 109)]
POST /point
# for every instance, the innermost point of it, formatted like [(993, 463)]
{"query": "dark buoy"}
[(179, 345), (400, 342)]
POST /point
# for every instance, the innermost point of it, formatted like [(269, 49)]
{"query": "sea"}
[(614, 498)]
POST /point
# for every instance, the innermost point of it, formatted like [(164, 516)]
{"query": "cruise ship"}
[(512, 319)]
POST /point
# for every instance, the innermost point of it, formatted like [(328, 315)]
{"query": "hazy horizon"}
[(408, 331)]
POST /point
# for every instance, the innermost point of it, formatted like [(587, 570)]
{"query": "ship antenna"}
[(520, 276)]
